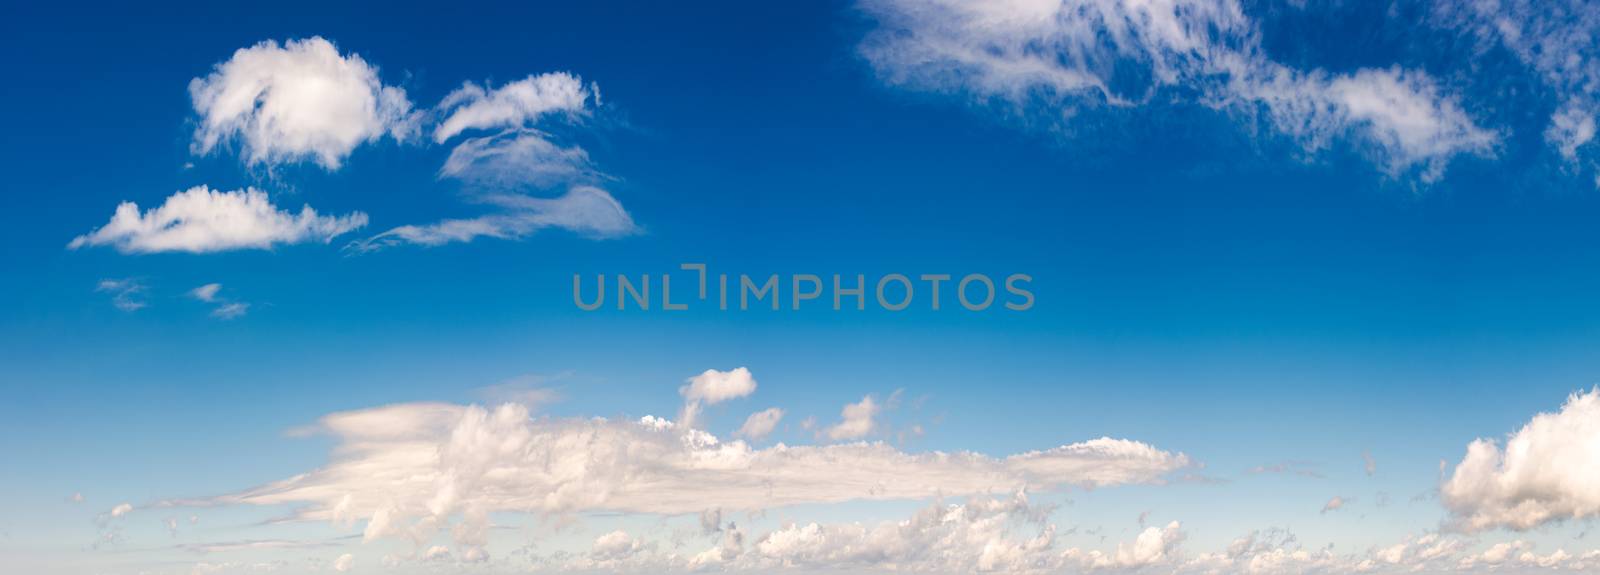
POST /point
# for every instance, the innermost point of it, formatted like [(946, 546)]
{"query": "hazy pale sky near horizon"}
[(289, 287)]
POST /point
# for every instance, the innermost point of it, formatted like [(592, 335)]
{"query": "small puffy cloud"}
[(1546, 472), (585, 210), (857, 420), (478, 107), (713, 386), (206, 293), (202, 220), (125, 293), (121, 509), (1370, 463), (614, 545), (760, 423), (1334, 504), (296, 101), (344, 562)]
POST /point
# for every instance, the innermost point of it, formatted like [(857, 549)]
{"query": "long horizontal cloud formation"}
[(200, 220), (1069, 55), (295, 101), (1548, 471), (408, 469)]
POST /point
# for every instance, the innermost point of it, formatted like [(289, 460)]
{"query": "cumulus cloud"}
[(344, 562), (126, 294), (409, 470), (760, 423), (296, 101), (478, 107), (713, 386), (856, 420), (201, 220), (1546, 472), (1067, 56)]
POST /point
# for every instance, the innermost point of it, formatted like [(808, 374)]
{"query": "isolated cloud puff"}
[(856, 420), (200, 220), (1064, 56), (296, 101), (126, 294), (1546, 472), (407, 470), (713, 386)]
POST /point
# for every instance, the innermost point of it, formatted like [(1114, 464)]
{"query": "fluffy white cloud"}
[(296, 101), (344, 562), (409, 470), (585, 210), (200, 220), (1063, 56), (760, 423), (1546, 473), (713, 386), (121, 509), (479, 107), (857, 420)]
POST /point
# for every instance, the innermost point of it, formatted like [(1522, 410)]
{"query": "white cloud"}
[(1334, 504), (296, 101), (585, 210), (121, 509), (856, 420), (1064, 56), (517, 159), (1553, 38), (713, 386), (409, 469), (201, 220), (125, 293), (230, 310), (479, 107), (760, 423), (1545, 473), (206, 293), (344, 562)]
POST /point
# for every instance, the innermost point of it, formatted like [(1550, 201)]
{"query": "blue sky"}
[(1281, 240)]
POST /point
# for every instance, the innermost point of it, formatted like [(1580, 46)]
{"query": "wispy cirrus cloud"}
[(1063, 58)]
